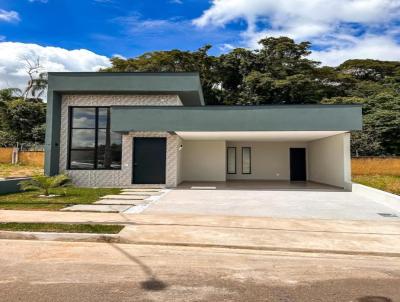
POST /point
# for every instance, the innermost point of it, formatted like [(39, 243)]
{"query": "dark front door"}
[(149, 157), (298, 164)]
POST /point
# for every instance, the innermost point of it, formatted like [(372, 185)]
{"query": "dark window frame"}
[(249, 148), (227, 160), (95, 148)]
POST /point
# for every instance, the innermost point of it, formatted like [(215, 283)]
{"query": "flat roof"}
[(237, 118), (186, 85)]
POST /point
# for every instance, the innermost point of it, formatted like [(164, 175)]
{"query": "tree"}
[(172, 61), (37, 82), (281, 72), (45, 183), (6, 95), (21, 117)]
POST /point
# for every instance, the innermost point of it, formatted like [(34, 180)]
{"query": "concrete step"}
[(125, 197), (120, 202), (140, 193), (97, 208), (141, 190)]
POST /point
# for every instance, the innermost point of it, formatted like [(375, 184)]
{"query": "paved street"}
[(60, 271)]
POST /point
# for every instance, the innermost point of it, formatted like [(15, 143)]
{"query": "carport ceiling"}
[(258, 136)]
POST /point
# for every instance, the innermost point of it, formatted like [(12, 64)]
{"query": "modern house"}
[(127, 129)]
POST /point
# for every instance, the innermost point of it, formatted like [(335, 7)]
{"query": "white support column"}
[(347, 161), (330, 160)]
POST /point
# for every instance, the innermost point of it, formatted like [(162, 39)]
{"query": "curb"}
[(116, 238), (67, 237), (264, 248)]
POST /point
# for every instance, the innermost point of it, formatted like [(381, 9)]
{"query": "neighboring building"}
[(122, 129)]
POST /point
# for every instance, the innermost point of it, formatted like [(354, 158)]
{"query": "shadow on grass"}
[(152, 283)]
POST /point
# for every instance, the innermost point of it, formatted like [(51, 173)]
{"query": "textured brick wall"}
[(123, 177)]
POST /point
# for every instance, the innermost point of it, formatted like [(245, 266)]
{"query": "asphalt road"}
[(57, 271)]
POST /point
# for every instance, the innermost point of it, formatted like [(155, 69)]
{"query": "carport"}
[(265, 159)]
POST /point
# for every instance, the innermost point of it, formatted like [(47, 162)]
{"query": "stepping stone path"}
[(126, 200), (97, 208), (121, 202), (125, 197)]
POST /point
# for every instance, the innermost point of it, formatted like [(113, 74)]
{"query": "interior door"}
[(149, 160), (298, 170)]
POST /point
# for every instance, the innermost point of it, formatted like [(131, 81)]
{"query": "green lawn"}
[(61, 228), (389, 183), (30, 200)]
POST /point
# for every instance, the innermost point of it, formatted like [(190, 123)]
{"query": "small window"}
[(231, 160), (246, 160)]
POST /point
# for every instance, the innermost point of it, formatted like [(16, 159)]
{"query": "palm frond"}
[(61, 180)]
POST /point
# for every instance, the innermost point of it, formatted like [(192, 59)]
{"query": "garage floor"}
[(270, 199)]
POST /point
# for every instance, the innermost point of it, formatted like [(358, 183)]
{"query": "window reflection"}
[(83, 138), (84, 117)]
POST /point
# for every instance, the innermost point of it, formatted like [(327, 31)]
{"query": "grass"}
[(61, 228), (376, 166), (388, 183), (30, 200), (382, 173), (10, 170)]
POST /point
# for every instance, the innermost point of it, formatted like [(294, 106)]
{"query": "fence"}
[(375, 165), (30, 158)]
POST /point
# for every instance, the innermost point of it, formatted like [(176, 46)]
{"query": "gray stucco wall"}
[(239, 118), (185, 85), (123, 177)]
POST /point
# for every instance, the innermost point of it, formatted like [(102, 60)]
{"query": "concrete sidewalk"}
[(337, 226), (303, 235), (311, 240)]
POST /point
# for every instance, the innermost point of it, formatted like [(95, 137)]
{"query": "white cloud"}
[(136, 24), (226, 47), (326, 23), (13, 61), (41, 1), (370, 47), (9, 16)]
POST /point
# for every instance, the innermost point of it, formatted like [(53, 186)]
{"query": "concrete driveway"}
[(292, 202)]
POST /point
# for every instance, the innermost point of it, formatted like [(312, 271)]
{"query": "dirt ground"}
[(9, 170)]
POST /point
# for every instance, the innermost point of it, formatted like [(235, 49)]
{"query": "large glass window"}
[(231, 160), (246, 160), (92, 145)]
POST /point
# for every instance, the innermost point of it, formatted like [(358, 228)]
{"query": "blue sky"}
[(77, 35), (109, 27), (124, 27)]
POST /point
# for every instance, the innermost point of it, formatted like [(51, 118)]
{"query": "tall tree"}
[(280, 71)]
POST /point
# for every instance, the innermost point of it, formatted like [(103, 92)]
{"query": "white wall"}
[(330, 160), (203, 161), (269, 160), (179, 160)]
